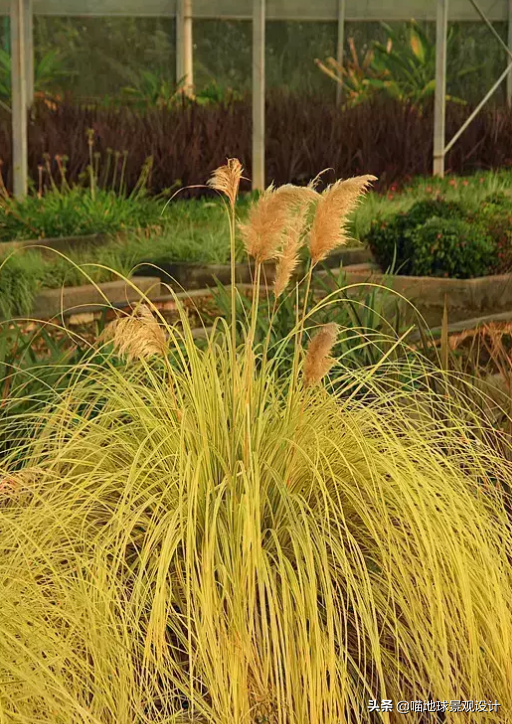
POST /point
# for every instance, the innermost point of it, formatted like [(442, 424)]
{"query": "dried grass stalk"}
[(329, 229), (318, 361), (270, 218), (226, 179), (138, 336)]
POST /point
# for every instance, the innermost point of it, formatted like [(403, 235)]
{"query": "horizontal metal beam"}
[(321, 10)]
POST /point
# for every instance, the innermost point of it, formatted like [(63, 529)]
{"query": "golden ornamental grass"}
[(249, 549), (288, 257)]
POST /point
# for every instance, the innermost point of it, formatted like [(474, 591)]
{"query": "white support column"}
[(440, 93), (509, 60), (19, 98), (341, 44), (184, 46), (258, 95), (29, 50)]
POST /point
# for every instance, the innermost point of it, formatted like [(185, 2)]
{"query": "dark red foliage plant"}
[(305, 135)]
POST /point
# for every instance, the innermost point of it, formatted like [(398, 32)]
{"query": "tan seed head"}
[(269, 219), (226, 179), (137, 336), (318, 361), (329, 229)]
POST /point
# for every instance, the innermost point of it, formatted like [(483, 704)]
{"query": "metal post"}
[(340, 45), (184, 46), (258, 95), (440, 94), (19, 98), (29, 51), (509, 60)]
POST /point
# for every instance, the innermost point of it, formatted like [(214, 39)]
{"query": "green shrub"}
[(437, 238), (451, 248), (496, 214), (391, 241)]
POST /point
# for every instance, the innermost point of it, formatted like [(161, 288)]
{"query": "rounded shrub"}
[(423, 241), (495, 213), (451, 248)]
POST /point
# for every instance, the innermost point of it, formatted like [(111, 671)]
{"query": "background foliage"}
[(388, 138)]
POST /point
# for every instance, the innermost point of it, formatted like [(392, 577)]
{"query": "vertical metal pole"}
[(184, 46), (440, 95), (340, 45), (258, 95), (509, 60), (19, 99), (29, 50)]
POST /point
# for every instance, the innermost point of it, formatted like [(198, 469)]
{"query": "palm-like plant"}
[(357, 76), (47, 72), (402, 68)]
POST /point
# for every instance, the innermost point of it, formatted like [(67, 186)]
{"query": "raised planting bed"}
[(75, 300), (182, 275), (465, 298)]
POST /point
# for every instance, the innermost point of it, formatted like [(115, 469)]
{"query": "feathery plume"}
[(226, 179), (137, 336), (329, 228), (264, 232), (318, 361), (288, 261), (288, 258)]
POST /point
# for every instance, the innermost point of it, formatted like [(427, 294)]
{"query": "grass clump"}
[(97, 204), (74, 213), (195, 532), (19, 278)]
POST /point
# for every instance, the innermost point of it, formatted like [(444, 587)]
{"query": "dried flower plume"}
[(288, 258), (329, 229), (288, 262), (226, 179), (137, 336), (318, 361), (270, 218)]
